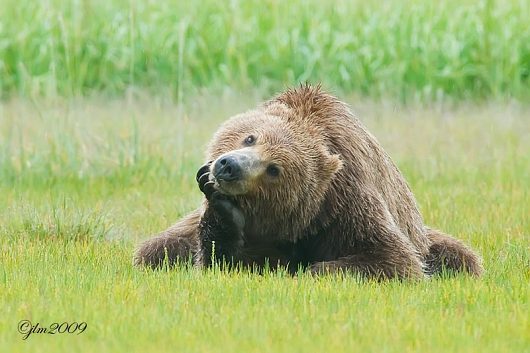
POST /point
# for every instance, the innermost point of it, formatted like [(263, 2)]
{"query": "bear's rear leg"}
[(367, 268), (450, 254), (374, 264)]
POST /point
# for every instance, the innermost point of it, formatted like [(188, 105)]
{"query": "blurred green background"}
[(407, 50)]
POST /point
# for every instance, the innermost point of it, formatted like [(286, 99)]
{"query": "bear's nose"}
[(227, 169)]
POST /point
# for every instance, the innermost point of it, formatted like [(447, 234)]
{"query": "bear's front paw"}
[(227, 210), (223, 207), (203, 179)]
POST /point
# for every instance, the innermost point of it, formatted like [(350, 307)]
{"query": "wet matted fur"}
[(336, 201)]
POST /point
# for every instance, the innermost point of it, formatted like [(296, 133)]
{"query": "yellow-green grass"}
[(411, 50), (81, 181)]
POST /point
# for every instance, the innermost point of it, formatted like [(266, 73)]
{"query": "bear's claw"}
[(203, 179), (205, 169)]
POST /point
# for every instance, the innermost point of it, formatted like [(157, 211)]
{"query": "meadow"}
[(77, 198), (106, 108)]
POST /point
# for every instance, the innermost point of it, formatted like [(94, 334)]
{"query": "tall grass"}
[(410, 50)]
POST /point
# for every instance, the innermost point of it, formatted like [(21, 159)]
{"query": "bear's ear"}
[(332, 164)]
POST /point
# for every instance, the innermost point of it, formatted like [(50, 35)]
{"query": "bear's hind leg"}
[(178, 243), (377, 261), (448, 253), (381, 251)]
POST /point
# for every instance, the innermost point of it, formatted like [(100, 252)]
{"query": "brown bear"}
[(299, 182)]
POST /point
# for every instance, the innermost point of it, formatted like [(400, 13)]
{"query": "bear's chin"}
[(232, 188)]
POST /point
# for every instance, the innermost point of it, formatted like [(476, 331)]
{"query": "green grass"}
[(409, 50), (82, 181)]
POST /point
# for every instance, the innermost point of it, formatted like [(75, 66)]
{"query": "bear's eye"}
[(273, 170), (250, 140)]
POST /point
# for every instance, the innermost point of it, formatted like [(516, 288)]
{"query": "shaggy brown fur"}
[(337, 203)]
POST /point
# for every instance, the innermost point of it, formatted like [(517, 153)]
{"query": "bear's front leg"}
[(221, 227), (179, 243)]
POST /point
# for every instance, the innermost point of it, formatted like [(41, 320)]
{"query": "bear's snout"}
[(227, 168), (235, 171)]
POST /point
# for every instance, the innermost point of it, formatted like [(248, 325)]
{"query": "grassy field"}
[(410, 50), (106, 107), (82, 181)]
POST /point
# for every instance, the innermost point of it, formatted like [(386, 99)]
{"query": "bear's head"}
[(277, 169)]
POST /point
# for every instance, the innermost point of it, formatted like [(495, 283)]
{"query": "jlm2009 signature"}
[(26, 328)]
